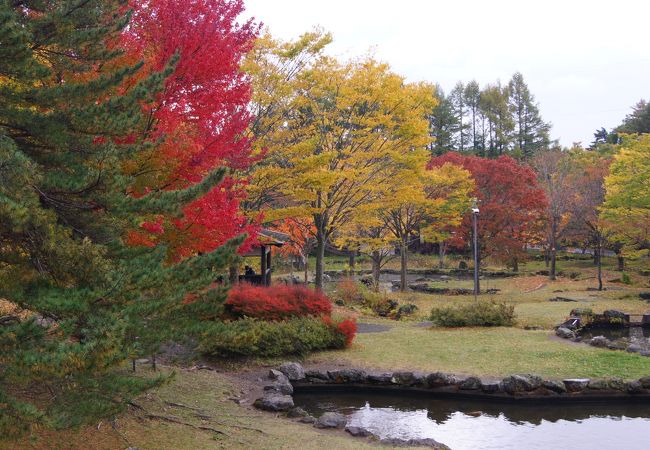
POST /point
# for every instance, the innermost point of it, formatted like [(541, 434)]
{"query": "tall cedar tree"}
[(71, 123), (202, 114), (511, 206)]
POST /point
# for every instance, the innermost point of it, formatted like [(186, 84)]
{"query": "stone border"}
[(291, 376)]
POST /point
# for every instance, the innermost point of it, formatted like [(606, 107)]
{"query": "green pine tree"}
[(67, 128)]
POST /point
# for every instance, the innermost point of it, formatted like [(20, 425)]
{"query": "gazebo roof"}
[(266, 237), (271, 237)]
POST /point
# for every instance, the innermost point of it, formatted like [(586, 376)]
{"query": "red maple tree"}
[(199, 119), (510, 201)]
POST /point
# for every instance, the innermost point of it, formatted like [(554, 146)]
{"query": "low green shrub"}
[(301, 335), (483, 313), (625, 278)]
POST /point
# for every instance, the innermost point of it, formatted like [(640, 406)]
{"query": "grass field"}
[(197, 409)]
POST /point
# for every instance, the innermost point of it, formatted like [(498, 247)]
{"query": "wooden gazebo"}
[(262, 249)]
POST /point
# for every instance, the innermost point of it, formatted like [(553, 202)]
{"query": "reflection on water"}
[(483, 425), (631, 335)]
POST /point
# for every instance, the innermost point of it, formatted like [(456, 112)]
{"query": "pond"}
[(464, 424), (630, 335)]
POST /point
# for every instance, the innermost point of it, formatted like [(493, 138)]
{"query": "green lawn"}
[(484, 352), (503, 351)]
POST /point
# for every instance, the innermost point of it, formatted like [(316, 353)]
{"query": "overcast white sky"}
[(586, 62)]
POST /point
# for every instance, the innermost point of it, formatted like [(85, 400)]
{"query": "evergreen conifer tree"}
[(70, 122)]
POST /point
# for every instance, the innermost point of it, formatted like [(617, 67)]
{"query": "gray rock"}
[(297, 412), (599, 341), (423, 442), (470, 384), (645, 382), (645, 353), (406, 379), (317, 374), (521, 383), (555, 386), (293, 371), (331, 420), (274, 402), (634, 348), (565, 333), (613, 314), (358, 431), (307, 419), (598, 385), (576, 384), (379, 378), (276, 375), (491, 387), (616, 384), (439, 379), (347, 376), (635, 387), (282, 388)]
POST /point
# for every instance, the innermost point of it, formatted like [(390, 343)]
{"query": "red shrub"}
[(276, 302), (348, 327)]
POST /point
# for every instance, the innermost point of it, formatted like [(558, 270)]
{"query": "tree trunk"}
[(515, 265), (403, 264), (441, 255), (596, 254), (621, 263), (305, 260), (600, 265), (376, 259), (320, 259), (551, 274), (233, 274), (352, 261)]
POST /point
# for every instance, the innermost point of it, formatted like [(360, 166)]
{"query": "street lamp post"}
[(475, 213)]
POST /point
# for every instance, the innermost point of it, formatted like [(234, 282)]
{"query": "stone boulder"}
[(565, 333), (616, 384), (358, 431), (616, 315), (439, 379), (282, 388), (645, 382), (554, 386), (347, 376), (379, 378), (419, 442), (598, 385), (516, 384), (276, 375), (297, 412), (274, 402), (635, 387), (634, 348), (406, 379), (470, 384), (331, 420), (293, 371), (491, 387), (317, 376), (576, 384), (599, 341)]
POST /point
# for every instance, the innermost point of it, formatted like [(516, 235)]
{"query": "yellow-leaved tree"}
[(339, 142), (417, 204), (626, 209)]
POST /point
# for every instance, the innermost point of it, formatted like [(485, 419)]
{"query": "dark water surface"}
[(481, 425), (631, 335)]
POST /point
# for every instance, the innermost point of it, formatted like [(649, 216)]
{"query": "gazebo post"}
[(263, 264)]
